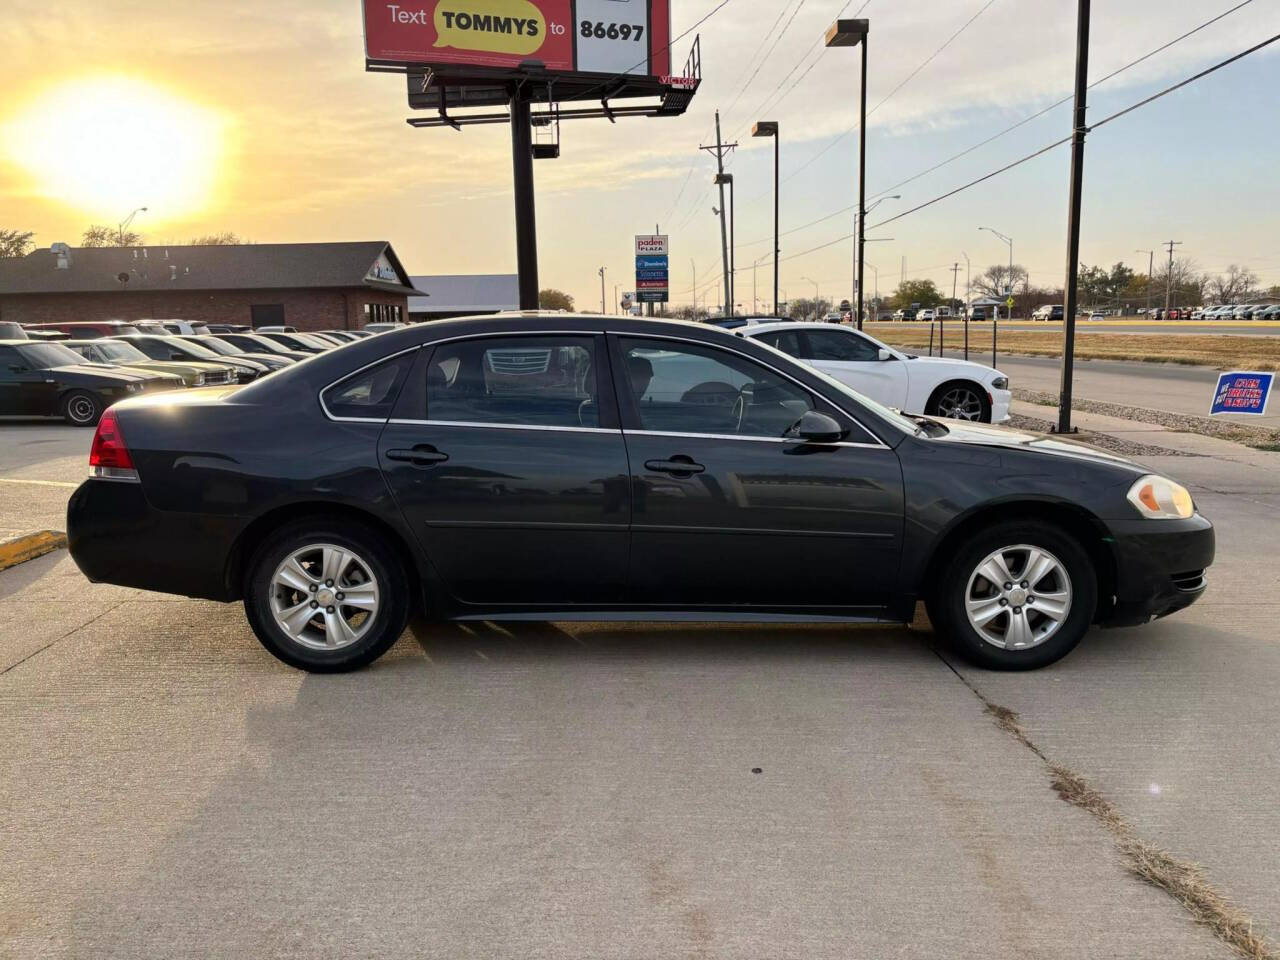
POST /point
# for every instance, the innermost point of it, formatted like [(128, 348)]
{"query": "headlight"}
[(199, 379), (1000, 383), (1159, 498)]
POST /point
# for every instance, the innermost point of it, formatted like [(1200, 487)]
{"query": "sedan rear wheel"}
[(960, 401), (326, 595), (1016, 596)]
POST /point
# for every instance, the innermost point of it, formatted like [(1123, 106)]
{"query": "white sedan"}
[(935, 386)]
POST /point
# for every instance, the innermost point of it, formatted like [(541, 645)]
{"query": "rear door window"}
[(547, 381)]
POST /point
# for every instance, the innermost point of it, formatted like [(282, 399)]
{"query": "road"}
[(1160, 386), (590, 790)]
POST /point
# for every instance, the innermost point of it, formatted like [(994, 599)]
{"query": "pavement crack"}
[(57, 640), (1183, 880)]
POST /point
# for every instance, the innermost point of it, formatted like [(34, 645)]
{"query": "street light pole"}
[(601, 271), (849, 33), (769, 128), (125, 222), (1009, 241)]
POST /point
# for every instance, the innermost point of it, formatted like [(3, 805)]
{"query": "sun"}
[(105, 145)]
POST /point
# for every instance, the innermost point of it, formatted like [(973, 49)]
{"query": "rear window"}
[(368, 394)]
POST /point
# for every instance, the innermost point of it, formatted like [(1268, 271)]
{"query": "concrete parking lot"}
[(601, 790)]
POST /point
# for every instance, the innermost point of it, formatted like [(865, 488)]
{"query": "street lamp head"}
[(847, 33), (765, 128)]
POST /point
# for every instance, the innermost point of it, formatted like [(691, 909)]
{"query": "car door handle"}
[(422, 455), (677, 466)]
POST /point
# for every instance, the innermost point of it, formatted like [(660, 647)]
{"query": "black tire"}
[(372, 549), (946, 602), (943, 393), (81, 408)]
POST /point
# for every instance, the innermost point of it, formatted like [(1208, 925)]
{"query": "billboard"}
[(565, 36), (652, 284)]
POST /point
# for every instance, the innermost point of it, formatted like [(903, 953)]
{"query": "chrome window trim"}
[(503, 426), (735, 436), (346, 376), (782, 373)]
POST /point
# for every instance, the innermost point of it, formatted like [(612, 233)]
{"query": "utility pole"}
[(720, 149), (1168, 277), (955, 277), (1073, 218), (694, 267), (601, 272), (1151, 262)]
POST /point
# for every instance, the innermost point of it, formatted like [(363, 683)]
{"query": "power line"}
[(762, 60), (816, 46), (1009, 129), (1058, 103), (1105, 120), (929, 59)]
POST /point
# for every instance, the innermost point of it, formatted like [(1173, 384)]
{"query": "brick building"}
[(311, 286)]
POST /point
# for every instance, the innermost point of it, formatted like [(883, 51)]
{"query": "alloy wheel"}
[(1018, 597), (324, 596), (960, 403)]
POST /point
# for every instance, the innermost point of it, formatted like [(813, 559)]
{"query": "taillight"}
[(109, 457)]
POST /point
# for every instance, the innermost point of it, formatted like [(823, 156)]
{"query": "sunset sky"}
[(260, 118)]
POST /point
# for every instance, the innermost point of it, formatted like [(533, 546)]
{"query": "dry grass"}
[(1182, 880), (1223, 351)]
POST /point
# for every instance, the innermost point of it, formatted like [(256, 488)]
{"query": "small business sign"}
[(652, 275), (1242, 392)]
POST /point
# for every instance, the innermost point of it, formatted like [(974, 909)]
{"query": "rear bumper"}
[(115, 536), (1160, 568)]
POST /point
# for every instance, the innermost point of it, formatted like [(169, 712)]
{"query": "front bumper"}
[(1160, 568), (1000, 400)]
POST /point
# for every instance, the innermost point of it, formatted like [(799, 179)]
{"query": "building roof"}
[(462, 292), (370, 263)]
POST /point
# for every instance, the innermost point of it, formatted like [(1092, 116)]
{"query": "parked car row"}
[(76, 370)]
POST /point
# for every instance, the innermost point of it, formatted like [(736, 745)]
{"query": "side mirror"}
[(815, 427), (885, 355), (176, 356)]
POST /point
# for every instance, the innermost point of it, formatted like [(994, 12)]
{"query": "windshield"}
[(892, 416), (48, 354), (218, 346), (123, 352), (195, 349)]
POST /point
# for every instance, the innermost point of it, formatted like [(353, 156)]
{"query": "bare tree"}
[(225, 239), (99, 236), (15, 243), (1184, 281), (1236, 284), (996, 279), (804, 308)]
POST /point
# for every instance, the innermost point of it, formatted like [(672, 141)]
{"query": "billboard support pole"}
[(526, 210)]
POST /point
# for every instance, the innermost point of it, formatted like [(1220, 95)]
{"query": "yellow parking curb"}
[(29, 546)]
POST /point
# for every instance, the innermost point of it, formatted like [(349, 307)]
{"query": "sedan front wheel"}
[(1016, 596), (960, 401)]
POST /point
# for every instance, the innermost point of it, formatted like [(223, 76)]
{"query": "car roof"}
[(792, 325)]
